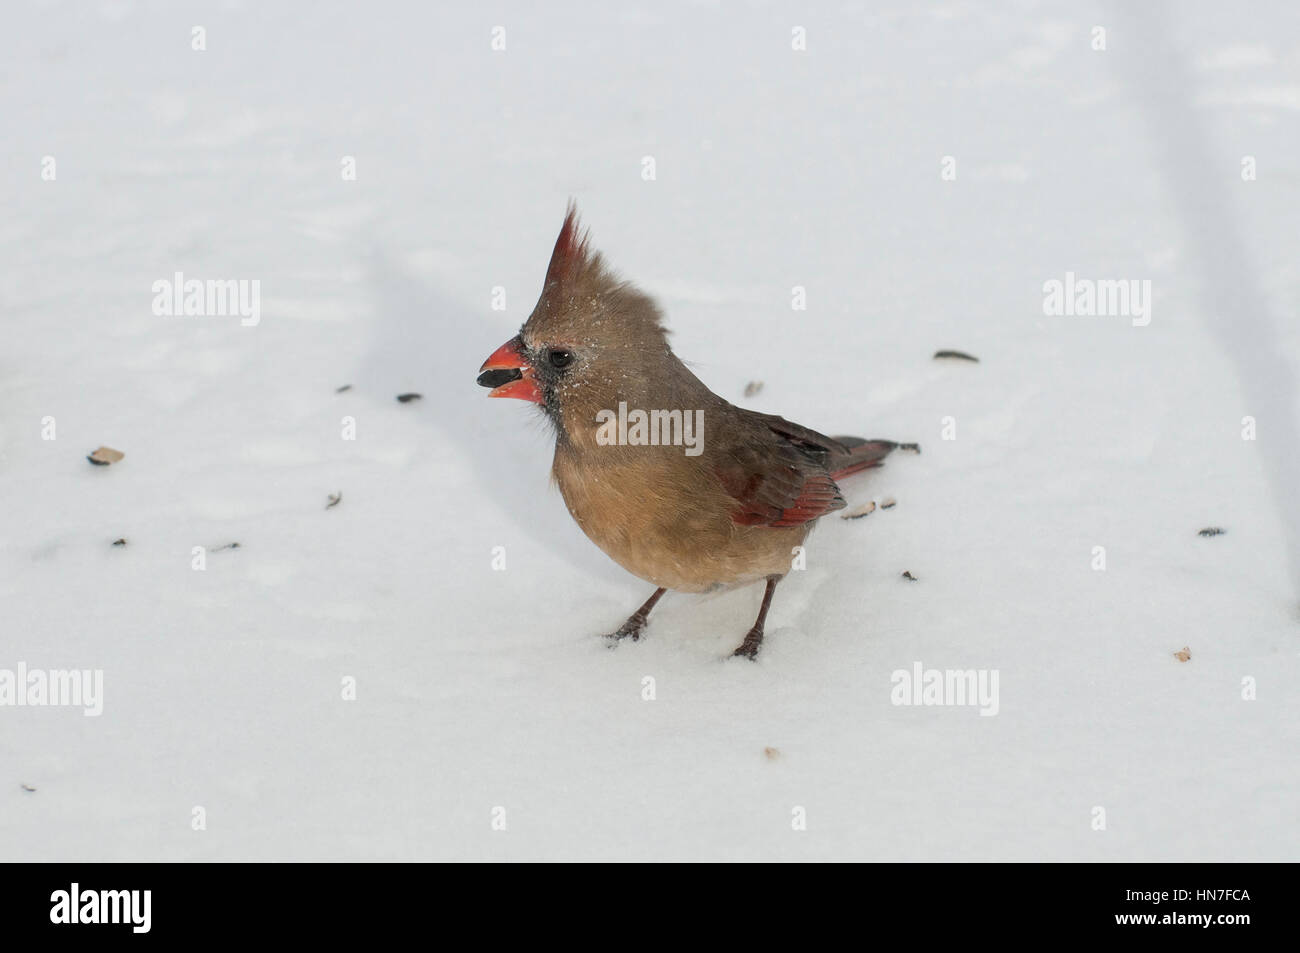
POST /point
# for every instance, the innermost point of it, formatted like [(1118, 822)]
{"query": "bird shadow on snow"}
[(425, 342)]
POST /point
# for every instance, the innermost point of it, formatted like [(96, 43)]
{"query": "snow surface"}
[(479, 689)]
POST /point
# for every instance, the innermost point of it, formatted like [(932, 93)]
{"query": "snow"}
[(479, 689)]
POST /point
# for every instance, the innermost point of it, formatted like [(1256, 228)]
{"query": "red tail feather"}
[(862, 455)]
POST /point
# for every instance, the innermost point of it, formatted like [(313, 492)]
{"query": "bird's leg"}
[(637, 620), (754, 637)]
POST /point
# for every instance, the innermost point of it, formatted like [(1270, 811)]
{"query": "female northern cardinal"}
[(684, 490)]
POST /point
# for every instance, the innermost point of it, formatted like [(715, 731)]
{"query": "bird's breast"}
[(665, 518)]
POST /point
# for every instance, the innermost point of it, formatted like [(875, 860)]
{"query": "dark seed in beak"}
[(495, 378)]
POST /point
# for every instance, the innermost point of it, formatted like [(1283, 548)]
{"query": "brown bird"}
[(675, 484)]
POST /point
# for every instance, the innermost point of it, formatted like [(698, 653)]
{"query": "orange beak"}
[(509, 374)]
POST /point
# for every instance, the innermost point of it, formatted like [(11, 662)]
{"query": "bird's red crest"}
[(571, 253)]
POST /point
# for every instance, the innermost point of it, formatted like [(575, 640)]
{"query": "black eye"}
[(559, 358)]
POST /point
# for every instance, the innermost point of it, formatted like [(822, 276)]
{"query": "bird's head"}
[(591, 340)]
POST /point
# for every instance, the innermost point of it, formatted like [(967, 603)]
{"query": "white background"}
[(775, 168)]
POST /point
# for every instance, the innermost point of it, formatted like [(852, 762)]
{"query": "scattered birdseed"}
[(888, 503), (907, 574), (752, 388), (104, 456), (1212, 531), (28, 788), (866, 509), (340, 390), (334, 499), (771, 753), (957, 355), (1184, 655), (407, 398), (120, 542)]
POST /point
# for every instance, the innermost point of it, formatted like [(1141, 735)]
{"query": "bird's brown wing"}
[(777, 472)]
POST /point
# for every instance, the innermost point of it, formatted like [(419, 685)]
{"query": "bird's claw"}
[(632, 629), (749, 648)]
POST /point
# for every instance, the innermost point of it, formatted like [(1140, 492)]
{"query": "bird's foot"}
[(631, 629), (749, 648)]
